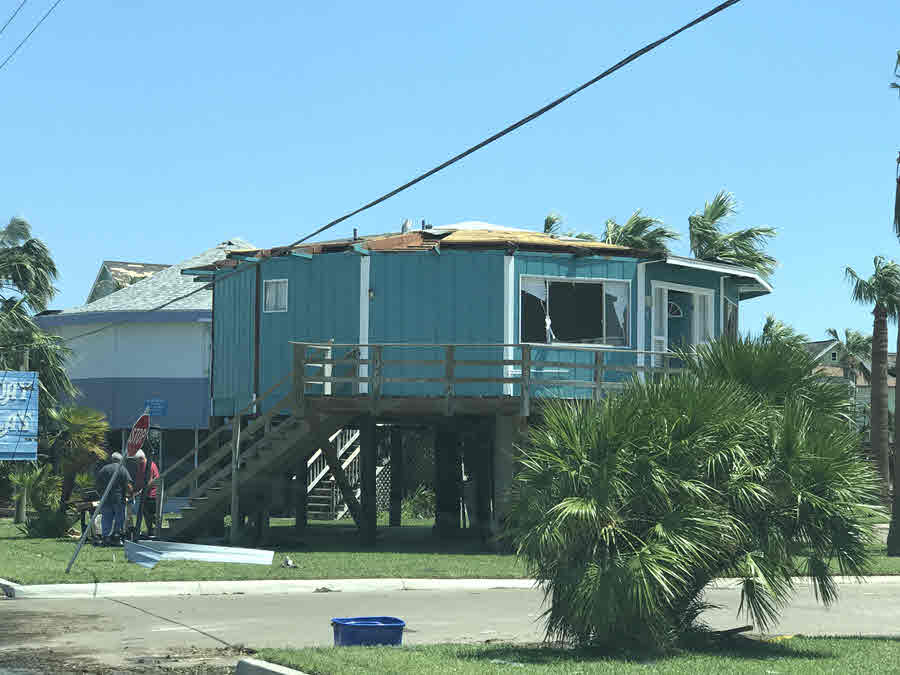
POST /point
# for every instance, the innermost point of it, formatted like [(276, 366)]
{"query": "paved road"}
[(121, 632)]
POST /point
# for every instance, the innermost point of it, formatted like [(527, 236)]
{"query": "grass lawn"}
[(329, 550), (794, 655)]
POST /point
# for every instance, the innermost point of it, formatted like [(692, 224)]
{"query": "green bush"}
[(419, 505), (744, 467), (49, 523)]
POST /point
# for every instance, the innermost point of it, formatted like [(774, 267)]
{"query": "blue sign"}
[(156, 407), (18, 415)]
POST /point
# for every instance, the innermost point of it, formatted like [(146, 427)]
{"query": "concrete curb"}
[(278, 587), (257, 667), (263, 587)]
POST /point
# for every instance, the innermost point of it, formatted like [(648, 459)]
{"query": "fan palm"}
[(855, 349), (641, 232), (624, 510), (777, 330), (881, 291), (743, 247), (36, 484), (553, 227), (77, 438), (27, 273)]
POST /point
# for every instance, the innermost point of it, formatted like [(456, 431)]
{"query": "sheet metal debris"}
[(148, 553)]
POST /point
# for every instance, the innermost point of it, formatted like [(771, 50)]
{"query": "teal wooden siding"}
[(571, 267), (421, 297), (233, 342), (323, 304)]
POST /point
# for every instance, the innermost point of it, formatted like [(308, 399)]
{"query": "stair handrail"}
[(318, 454), (218, 454), (215, 434)]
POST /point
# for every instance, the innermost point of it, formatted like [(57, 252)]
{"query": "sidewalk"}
[(289, 587)]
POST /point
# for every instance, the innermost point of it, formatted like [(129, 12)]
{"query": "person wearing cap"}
[(146, 495), (112, 515)]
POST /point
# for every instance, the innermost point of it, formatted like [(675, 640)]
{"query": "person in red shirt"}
[(148, 495)]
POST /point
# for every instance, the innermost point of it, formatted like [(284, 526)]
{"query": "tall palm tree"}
[(743, 247), (896, 85), (76, 441), (881, 291), (854, 349), (776, 330), (641, 232), (27, 273)]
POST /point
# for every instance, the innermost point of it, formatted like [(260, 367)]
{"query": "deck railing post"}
[(598, 376), (526, 380), (376, 375), (449, 376), (300, 377)]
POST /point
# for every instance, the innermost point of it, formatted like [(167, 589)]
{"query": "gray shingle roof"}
[(163, 286)]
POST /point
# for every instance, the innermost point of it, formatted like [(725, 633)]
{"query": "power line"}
[(25, 39), (9, 20), (453, 160)]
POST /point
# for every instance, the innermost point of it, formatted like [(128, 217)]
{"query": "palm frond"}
[(640, 232), (552, 223)]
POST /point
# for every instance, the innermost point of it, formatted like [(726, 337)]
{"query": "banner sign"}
[(138, 434), (18, 415)]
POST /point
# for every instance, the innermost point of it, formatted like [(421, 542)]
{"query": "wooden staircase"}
[(264, 445)]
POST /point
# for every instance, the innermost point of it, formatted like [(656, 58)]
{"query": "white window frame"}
[(693, 290), (725, 303), (578, 280), (266, 284)]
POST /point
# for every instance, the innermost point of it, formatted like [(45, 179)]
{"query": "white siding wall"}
[(172, 350)]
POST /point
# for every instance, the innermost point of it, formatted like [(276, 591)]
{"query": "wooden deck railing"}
[(519, 370)]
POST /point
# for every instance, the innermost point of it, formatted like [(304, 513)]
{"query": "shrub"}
[(625, 510), (419, 505), (49, 523)]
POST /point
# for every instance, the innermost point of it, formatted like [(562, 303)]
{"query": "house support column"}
[(447, 482), (397, 477), (369, 506), (484, 464), (506, 431)]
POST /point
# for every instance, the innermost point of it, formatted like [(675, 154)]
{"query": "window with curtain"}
[(275, 295), (575, 312)]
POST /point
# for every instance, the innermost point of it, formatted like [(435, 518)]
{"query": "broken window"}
[(574, 312)]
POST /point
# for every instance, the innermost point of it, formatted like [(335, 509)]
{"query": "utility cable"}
[(30, 33), (9, 20), (453, 160)]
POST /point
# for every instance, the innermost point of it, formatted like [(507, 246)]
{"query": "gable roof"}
[(121, 274), (162, 286)]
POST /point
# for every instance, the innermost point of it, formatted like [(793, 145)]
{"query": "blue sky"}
[(152, 131)]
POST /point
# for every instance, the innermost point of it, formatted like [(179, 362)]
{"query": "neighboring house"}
[(828, 353), (125, 355), (115, 275), (470, 283)]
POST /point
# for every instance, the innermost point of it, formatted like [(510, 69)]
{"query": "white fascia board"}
[(733, 270)]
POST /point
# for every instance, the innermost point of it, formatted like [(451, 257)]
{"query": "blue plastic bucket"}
[(367, 631)]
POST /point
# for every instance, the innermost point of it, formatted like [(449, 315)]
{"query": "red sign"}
[(138, 434)]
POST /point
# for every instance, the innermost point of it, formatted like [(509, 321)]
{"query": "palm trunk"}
[(880, 447), (68, 487), (21, 507), (893, 540)]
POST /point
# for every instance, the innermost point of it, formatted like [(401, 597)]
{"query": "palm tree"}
[(742, 247), (27, 272), (896, 85), (553, 224), (76, 440), (641, 232), (36, 484), (776, 330), (624, 510), (854, 350), (880, 290)]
